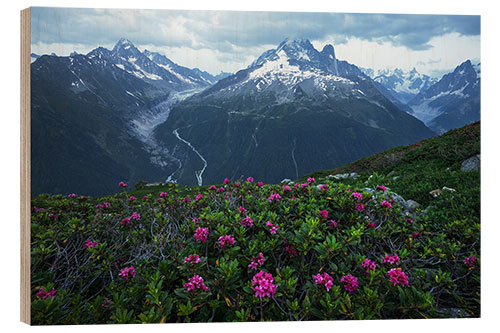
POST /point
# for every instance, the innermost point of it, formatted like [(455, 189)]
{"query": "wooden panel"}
[(25, 166)]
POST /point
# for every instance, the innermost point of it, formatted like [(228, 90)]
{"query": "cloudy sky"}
[(218, 41)]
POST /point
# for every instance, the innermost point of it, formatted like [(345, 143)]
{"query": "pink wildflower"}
[(257, 261), (381, 188), (186, 200), (212, 187), (226, 240), (470, 261), (332, 223), (291, 250), (359, 207), (192, 259), (135, 216), (196, 282), (226, 181), (159, 199), (125, 221), (398, 276), (351, 283), (393, 259), (127, 272), (310, 180), (201, 234), (263, 284), (260, 184), (274, 196), (45, 294), (198, 197), (304, 185), (250, 179), (324, 279), (369, 265), (242, 210), (236, 185), (370, 225), (122, 184), (72, 195), (247, 222), (323, 187), (357, 195), (323, 213), (89, 243), (163, 194), (220, 189), (386, 204), (273, 228), (132, 198), (287, 188)]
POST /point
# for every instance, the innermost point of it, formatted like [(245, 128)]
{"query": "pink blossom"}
[(323, 213), (393, 259), (132, 198), (198, 197), (351, 283), (260, 184), (397, 276), (127, 272), (257, 261), (359, 207), (212, 187), (291, 250), (192, 259), (287, 188), (323, 187), (304, 185), (273, 228), (159, 199), (470, 261), (274, 196), (45, 294), (125, 221), (242, 210), (263, 284), (247, 222), (72, 195), (332, 223), (226, 240), (53, 216), (186, 200), (226, 181), (236, 185), (381, 188), (369, 265), (135, 216), (416, 235), (89, 243), (310, 180), (220, 189), (324, 279), (196, 282), (163, 194), (250, 179), (386, 204), (201, 234), (357, 195), (370, 225), (122, 184)]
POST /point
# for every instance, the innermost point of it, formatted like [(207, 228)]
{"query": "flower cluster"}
[(226, 181), (163, 194), (274, 197), (127, 272), (369, 265), (192, 259), (287, 188), (291, 250), (250, 179), (386, 204), (272, 227), (392, 259), (310, 180), (247, 222), (201, 234), (357, 195), (103, 205), (470, 261), (381, 188), (198, 197), (45, 294), (359, 207), (122, 185), (72, 195), (257, 261), (89, 243), (323, 213), (263, 284), (196, 282), (242, 210), (324, 279), (351, 283), (397, 276), (226, 240), (332, 223)]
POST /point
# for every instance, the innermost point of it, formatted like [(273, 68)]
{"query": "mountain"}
[(292, 111), (453, 101), (92, 114), (401, 84)]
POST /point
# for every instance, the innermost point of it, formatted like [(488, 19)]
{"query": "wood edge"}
[(25, 192)]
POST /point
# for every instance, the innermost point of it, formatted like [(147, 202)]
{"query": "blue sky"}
[(230, 40)]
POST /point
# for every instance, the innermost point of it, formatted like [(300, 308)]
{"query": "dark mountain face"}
[(294, 110), (91, 115), (453, 101)]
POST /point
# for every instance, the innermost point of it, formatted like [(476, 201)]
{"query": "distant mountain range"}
[(123, 114)]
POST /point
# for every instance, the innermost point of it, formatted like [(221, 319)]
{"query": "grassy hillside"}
[(318, 248)]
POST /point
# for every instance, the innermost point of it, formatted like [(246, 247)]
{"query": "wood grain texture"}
[(25, 166)]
